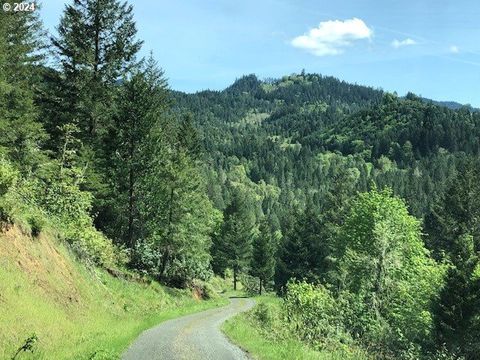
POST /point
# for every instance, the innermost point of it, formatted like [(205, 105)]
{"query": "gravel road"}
[(191, 337)]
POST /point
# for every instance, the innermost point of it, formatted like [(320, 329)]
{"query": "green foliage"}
[(179, 216), (265, 333), (250, 284), (233, 245), (142, 100), (457, 311), (95, 149), (36, 223), (301, 253), (263, 257), (315, 315), (95, 46), (22, 134), (8, 178), (386, 267)]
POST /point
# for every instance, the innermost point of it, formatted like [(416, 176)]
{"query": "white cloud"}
[(331, 37), (406, 42), (454, 49)]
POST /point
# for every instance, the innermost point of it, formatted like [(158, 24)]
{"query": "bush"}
[(219, 284), (314, 315), (267, 314), (145, 258), (250, 284), (204, 290), (8, 176), (90, 244), (36, 223)]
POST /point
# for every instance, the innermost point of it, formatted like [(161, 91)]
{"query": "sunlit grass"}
[(77, 313), (245, 333)]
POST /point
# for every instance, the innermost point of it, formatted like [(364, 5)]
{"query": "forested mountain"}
[(359, 207), (300, 132), (303, 146)]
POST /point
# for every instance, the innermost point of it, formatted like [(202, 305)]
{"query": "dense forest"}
[(359, 207)]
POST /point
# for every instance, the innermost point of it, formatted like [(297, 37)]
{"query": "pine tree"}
[(179, 217), (264, 254), (142, 101), (20, 53), (233, 248), (299, 256), (458, 212), (96, 46), (458, 311)]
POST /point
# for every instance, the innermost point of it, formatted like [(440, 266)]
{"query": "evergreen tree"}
[(458, 211), (299, 257), (142, 102), (457, 313), (20, 53), (95, 48), (264, 253), (179, 217), (233, 246)]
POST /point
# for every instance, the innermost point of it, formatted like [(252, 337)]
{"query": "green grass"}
[(246, 333), (76, 313)]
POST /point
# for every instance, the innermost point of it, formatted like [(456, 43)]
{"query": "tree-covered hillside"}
[(358, 207), (301, 148), (299, 132)]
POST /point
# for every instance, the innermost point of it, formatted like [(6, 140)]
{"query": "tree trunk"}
[(234, 279), (166, 253), (131, 204), (131, 198), (260, 291), (163, 263), (378, 285)]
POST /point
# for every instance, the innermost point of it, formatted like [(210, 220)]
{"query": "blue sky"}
[(429, 47)]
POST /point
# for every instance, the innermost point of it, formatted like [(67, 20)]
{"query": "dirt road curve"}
[(192, 337)]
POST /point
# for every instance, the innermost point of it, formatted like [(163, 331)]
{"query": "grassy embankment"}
[(269, 342), (75, 312)]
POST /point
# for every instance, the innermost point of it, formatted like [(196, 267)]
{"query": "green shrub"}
[(90, 244), (145, 257), (36, 223), (204, 289), (267, 314), (314, 315), (209, 291), (103, 355), (219, 284), (250, 284), (70, 208), (8, 176)]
